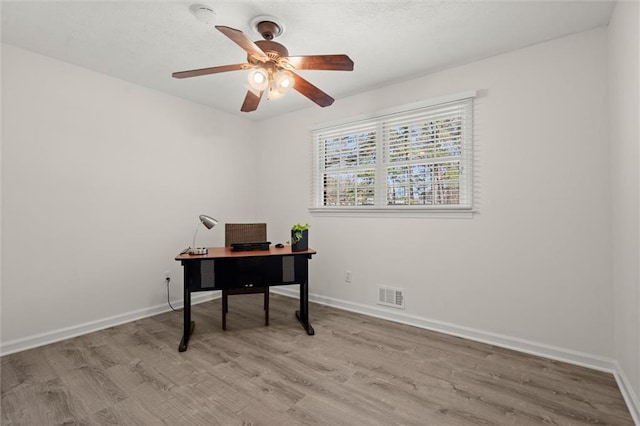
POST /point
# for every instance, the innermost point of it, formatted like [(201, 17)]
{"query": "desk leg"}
[(303, 313), (188, 325)]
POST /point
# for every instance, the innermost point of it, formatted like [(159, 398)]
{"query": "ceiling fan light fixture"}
[(258, 79), (269, 64), (284, 81)]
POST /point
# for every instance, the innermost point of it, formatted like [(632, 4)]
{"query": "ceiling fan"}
[(273, 68)]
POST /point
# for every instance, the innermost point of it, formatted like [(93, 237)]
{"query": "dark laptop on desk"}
[(251, 246)]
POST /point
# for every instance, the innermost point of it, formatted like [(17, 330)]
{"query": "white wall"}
[(624, 73), (534, 263), (102, 183)]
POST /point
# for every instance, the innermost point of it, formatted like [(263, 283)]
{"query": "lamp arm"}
[(194, 237)]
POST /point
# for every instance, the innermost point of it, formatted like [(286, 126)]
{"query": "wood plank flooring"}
[(356, 370)]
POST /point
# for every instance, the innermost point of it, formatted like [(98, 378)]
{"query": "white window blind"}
[(348, 159), (418, 159), (426, 156)]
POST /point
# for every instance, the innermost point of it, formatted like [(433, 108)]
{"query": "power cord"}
[(168, 280)]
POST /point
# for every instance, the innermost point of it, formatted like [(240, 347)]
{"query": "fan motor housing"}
[(273, 50)]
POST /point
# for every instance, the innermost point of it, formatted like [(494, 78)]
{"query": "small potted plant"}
[(300, 237)]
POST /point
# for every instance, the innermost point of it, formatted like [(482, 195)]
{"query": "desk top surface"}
[(220, 252)]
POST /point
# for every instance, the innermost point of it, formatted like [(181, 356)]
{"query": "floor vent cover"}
[(389, 296)]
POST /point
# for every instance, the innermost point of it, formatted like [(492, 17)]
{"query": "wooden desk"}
[(223, 268)]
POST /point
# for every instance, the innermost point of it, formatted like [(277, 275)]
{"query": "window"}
[(415, 160)]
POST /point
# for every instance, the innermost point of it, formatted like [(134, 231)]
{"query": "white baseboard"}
[(570, 356), (521, 345), (30, 342), (630, 397)]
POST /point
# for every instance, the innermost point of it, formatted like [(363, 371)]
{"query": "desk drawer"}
[(248, 272), (218, 274)]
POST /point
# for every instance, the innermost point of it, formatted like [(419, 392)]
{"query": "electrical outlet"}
[(347, 277), (167, 276)]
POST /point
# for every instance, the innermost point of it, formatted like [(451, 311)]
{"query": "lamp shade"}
[(208, 221)]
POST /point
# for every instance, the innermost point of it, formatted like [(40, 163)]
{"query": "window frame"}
[(381, 208)]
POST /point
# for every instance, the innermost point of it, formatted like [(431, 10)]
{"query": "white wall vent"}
[(389, 296)]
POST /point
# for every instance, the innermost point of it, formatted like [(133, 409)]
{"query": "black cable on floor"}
[(168, 298)]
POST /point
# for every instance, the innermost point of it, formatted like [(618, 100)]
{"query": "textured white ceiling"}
[(144, 42)]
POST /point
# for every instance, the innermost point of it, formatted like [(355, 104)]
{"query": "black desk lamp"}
[(207, 221)]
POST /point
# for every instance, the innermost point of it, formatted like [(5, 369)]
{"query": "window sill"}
[(404, 212)]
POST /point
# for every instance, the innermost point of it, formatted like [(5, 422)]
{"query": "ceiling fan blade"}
[(251, 101), (321, 62), (311, 91), (211, 70), (241, 40)]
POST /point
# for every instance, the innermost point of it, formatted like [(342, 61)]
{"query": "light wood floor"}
[(356, 370)]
